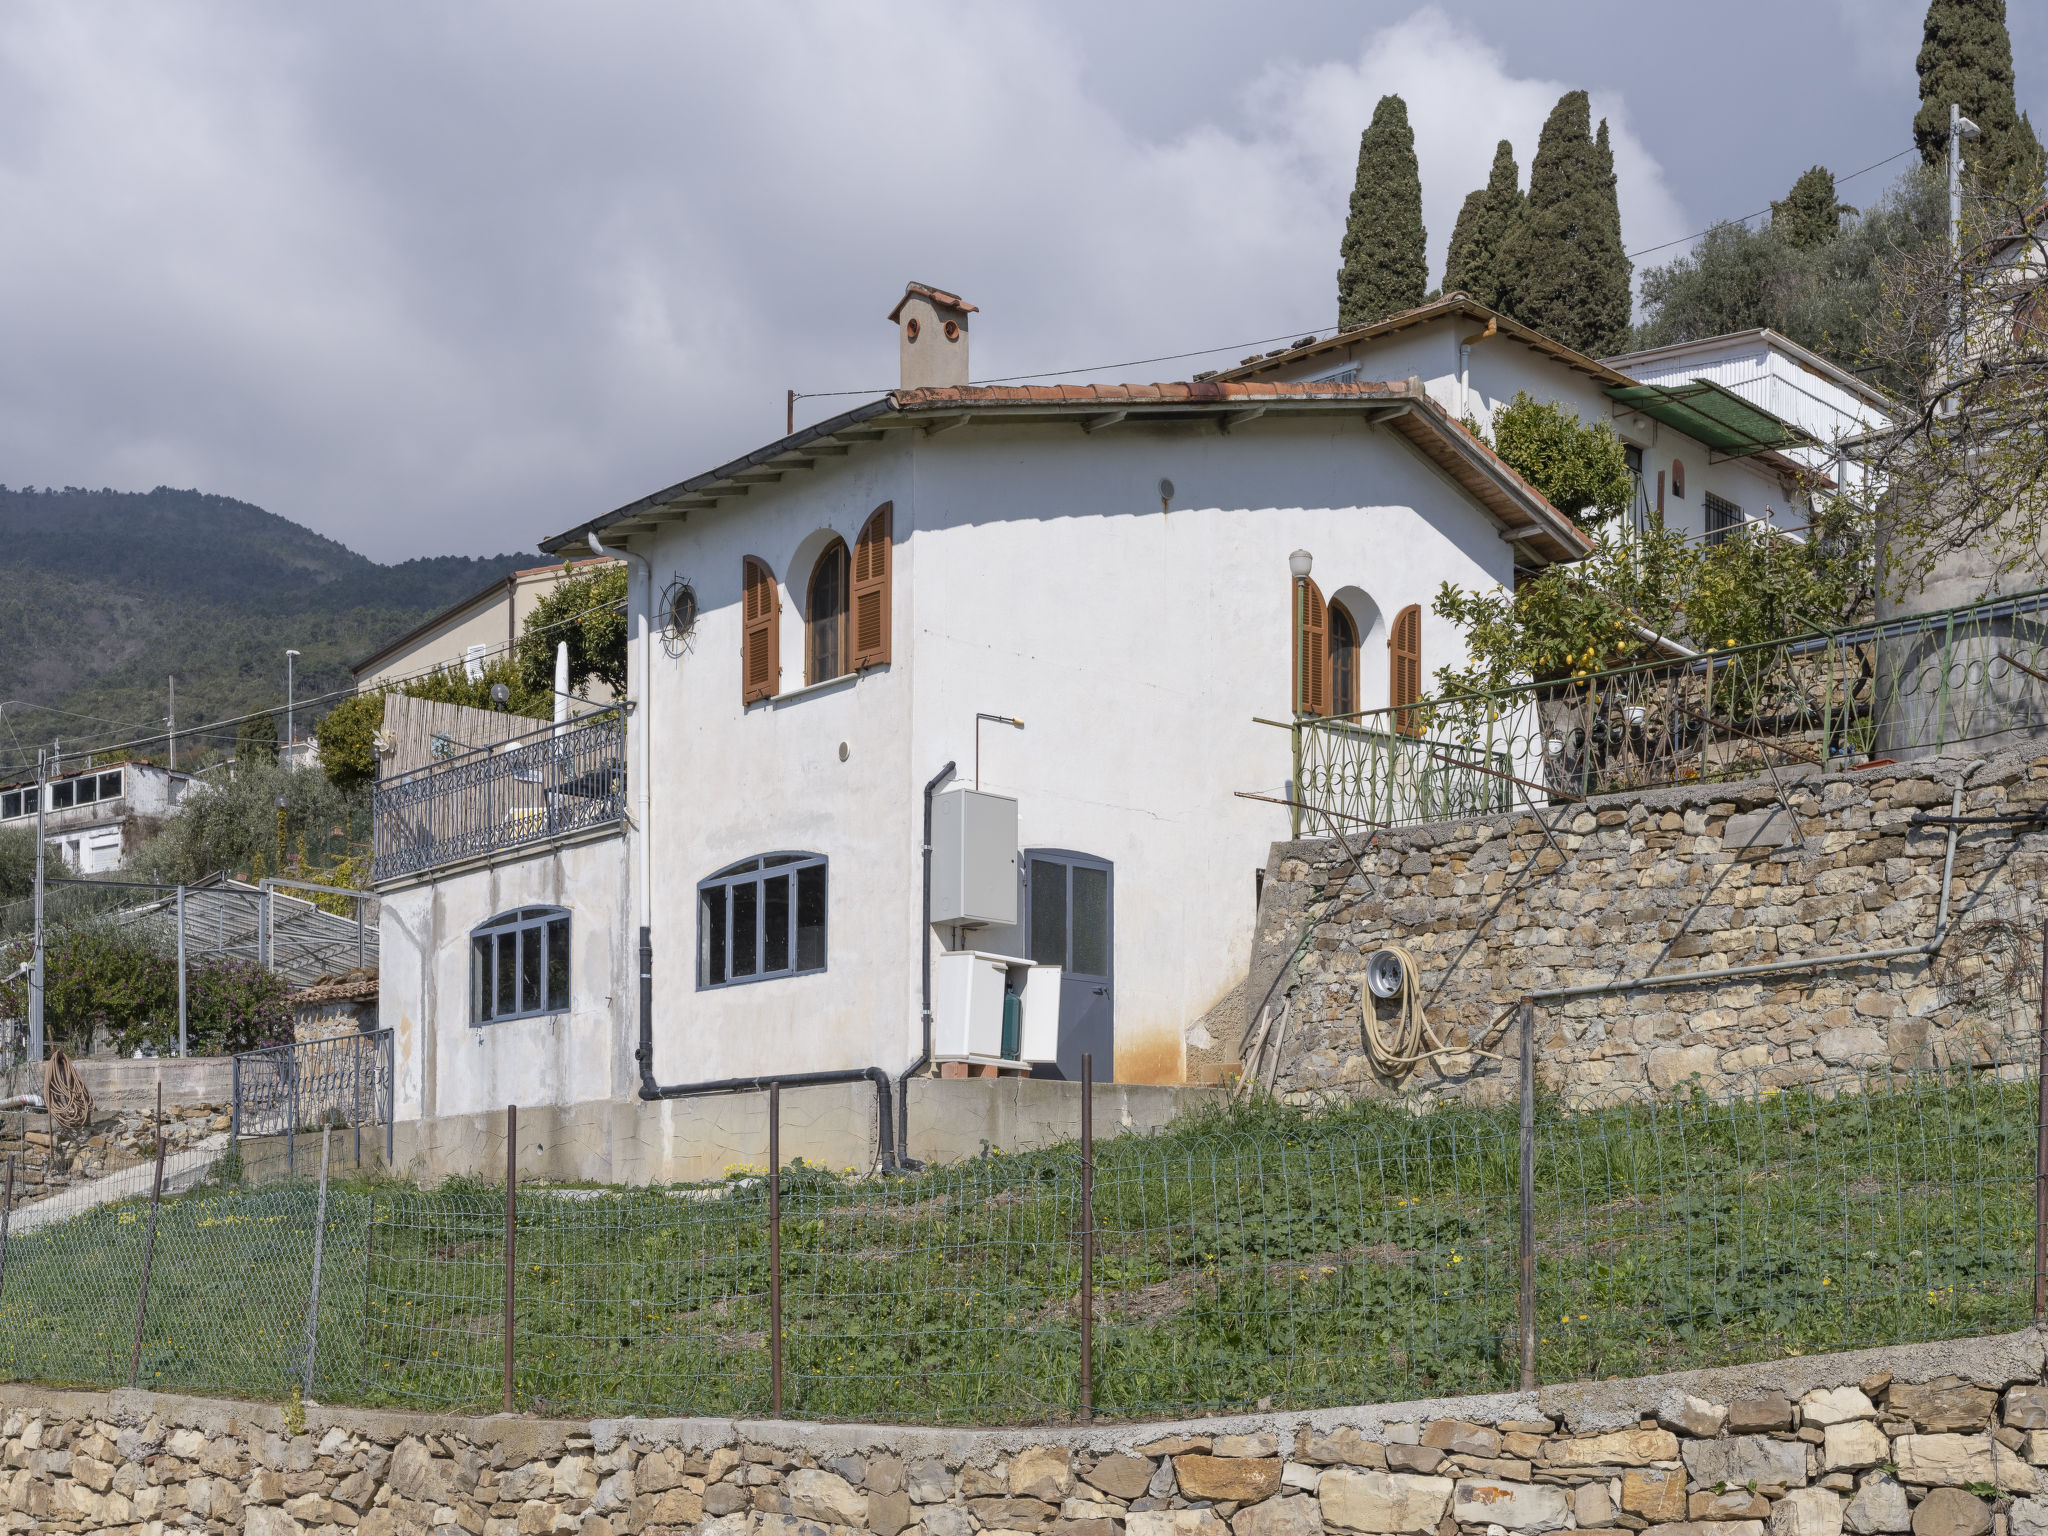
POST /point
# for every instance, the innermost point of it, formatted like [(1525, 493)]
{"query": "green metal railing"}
[(1900, 689)]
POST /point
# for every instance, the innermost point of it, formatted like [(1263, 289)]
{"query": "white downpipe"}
[(643, 755)]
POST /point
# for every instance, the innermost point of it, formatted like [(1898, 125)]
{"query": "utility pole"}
[(171, 720), (1959, 129), (35, 972), (291, 735)]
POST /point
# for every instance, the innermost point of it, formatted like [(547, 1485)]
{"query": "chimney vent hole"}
[(952, 329), (910, 328)]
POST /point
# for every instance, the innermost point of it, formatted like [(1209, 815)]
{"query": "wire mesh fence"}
[(1262, 1256)]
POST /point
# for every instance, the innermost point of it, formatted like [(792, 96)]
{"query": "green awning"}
[(1718, 417)]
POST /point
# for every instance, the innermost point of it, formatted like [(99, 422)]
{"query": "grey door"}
[(1070, 922)]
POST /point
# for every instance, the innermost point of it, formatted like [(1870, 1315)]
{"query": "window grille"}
[(761, 918), (519, 965), (1722, 517)]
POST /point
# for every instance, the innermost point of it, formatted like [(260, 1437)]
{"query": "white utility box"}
[(967, 1008), (974, 858)]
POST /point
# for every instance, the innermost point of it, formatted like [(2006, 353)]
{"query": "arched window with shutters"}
[(873, 555), (1343, 661), (760, 640), (1311, 650), (1404, 680), (825, 616)]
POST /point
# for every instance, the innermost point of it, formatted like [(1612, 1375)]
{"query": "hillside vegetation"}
[(104, 594)]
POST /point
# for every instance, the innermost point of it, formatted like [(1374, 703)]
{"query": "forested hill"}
[(105, 594)]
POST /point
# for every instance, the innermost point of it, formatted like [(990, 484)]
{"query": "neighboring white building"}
[(1827, 402), (1708, 453), (1077, 597), (92, 815), (472, 633)]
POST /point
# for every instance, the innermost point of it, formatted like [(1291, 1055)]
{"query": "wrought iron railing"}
[(551, 782), (344, 1080), (1896, 690)]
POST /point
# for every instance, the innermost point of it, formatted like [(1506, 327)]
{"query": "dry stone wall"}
[(1944, 1440), (1697, 878), (47, 1157)]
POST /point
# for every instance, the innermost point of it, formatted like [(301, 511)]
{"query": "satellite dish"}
[(1383, 974)]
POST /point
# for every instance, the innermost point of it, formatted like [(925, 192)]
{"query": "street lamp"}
[(291, 735)]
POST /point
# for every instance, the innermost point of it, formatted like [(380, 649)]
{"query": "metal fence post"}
[(775, 1249), (6, 1219), (2040, 1144), (511, 1234), (235, 1107), (1527, 1304), (156, 1195), (182, 1051), (319, 1254), (290, 1056), (355, 1095), (1087, 1237)]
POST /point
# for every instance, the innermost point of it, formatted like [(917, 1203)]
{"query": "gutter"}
[(1809, 963)]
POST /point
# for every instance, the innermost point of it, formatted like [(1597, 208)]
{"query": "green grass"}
[(1259, 1254)]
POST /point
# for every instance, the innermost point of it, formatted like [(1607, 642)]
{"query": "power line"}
[(1061, 373), (1839, 181)]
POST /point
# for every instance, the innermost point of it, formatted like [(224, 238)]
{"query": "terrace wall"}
[(1701, 878), (1940, 1439)]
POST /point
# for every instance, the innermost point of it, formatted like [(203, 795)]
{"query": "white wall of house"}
[(448, 1065), (92, 835), (1036, 576), (1478, 380)]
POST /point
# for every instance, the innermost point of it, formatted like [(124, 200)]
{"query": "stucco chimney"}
[(931, 330)]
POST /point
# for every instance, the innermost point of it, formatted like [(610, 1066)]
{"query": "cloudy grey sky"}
[(436, 278)]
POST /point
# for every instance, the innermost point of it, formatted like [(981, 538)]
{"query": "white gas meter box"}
[(968, 989), (974, 858)]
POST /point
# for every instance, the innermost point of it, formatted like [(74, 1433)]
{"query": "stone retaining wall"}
[(48, 1158), (1939, 1440), (1701, 877)]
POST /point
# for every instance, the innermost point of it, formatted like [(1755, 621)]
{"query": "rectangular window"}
[(711, 937), (88, 790), (529, 969), (558, 965), (810, 918), (61, 793), (775, 923), (761, 918), (507, 968), (1091, 921), (481, 971), (1048, 912), (110, 785), (10, 804), (746, 935), (1723, 517)]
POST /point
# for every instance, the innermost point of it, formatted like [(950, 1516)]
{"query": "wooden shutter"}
[(873, 555), (760, 632), (1404, 685), (1312, 653)]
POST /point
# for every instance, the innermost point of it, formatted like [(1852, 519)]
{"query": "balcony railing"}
[(554, 781), (1975, 676), (344, 1080)]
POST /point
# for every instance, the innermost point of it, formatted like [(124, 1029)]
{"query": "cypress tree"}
[(1809, 215), (1564, 271), (1384, 270), (1966, 58), (1483, 226)]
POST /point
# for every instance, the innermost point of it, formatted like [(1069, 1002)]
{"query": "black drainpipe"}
[(903, 1158), (649, 1089)]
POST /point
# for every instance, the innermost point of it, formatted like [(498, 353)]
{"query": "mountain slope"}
[(106, 594)]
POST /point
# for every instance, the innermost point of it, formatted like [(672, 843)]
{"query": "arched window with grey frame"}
[(519, 965), (761, 918)]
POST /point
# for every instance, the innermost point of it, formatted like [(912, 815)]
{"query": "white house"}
[(1074, 599), (1827, 402), (92, 815), (1708, 451)]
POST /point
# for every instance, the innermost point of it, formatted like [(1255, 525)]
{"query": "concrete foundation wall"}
[(117, 1084), (833, 1125)]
